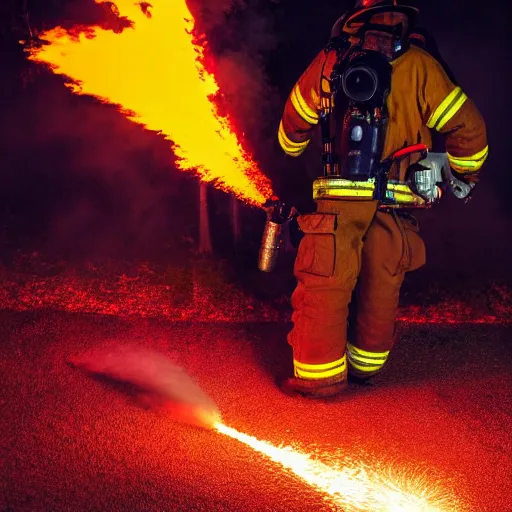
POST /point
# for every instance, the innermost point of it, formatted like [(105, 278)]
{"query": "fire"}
[(355, 487), (155, 71)]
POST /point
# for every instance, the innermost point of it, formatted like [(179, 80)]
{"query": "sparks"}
[(154, 70), (355, 488)]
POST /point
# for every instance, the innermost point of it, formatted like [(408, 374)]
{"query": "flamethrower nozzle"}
[(278, 213)]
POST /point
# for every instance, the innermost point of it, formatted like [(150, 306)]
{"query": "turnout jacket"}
[(422, 98)]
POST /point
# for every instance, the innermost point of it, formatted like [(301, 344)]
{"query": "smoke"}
[(241, 36), (154, 381)]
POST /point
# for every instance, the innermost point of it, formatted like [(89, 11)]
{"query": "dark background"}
[(78, 181)]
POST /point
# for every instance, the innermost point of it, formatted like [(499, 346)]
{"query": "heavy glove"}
[(462, 185)]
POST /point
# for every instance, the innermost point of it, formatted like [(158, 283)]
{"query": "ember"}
[(155, 71)]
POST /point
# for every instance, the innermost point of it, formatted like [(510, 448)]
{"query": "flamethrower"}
[(278, 214), (427, 178)]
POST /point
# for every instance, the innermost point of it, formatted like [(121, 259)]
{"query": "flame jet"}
[(155, 71)]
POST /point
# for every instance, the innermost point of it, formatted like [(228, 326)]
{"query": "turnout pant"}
[(349, 243)]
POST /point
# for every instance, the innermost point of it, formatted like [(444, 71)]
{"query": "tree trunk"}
[(235, 219), (205, 241)]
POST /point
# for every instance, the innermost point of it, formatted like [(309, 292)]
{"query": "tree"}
[(205, 241), (15, 20), (235, 219)]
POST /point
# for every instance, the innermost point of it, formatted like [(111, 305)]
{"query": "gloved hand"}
[(461, 185)]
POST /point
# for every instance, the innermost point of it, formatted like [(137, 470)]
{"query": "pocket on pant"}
[(416, 246), (317, 250)]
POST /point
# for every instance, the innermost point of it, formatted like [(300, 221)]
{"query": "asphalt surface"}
[(73, 443)]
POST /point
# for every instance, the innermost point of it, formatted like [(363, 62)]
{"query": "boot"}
[(321, 388), (359, 380)]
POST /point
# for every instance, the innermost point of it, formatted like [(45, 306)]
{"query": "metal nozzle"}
[(270, 244), (278, 213)]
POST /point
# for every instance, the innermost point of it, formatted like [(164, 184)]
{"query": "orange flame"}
[(354, 487), (154, 70)]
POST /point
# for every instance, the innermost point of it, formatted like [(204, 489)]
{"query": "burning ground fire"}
[(155, 71), (355, 487)]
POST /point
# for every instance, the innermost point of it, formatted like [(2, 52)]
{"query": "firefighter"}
[(361, 240)]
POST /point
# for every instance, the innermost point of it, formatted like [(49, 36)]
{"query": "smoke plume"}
[(241, 34), (153, 380)]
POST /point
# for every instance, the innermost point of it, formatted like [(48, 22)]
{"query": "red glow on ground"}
[(193, 296), (200, 295)]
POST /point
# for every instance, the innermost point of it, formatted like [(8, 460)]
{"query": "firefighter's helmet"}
[(365, 9), (370, 4)]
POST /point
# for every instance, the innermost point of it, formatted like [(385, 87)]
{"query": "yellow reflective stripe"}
[(347, 192), (405, 197), (320, 371), (288, 149), (288, 146), (341, 183), (302, 108), (324, 375), (447, 109), (363, 368), (367, 361), (475, 167), (469, 163), (364, 360), (323, 366), (451, 112), (338, 187), (291, 150), (476, 156), (371, 356), (464, 169)]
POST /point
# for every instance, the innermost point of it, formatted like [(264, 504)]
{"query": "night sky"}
[(78, 180)]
